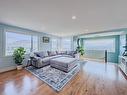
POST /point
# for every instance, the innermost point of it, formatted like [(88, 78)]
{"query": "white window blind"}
[(35, 43), (66, 44), (54, 44), (100, 44), (15, 40)]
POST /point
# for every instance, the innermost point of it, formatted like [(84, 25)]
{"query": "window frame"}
[(33, 43), (14, 31), (56, 44), (111, 51), (66, 38)]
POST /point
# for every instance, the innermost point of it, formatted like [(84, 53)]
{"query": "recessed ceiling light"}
[(73, 17)]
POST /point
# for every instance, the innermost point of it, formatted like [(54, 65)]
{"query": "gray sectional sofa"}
[(43, 58)]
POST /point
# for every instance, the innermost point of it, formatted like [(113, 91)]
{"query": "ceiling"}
[(55, 16)]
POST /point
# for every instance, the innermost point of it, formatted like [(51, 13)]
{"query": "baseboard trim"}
[(5, 69)]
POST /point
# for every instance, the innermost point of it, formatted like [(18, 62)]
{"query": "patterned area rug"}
[(53, 77)]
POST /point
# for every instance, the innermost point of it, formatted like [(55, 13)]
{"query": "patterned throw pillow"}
[(51, 53), (39, 54)]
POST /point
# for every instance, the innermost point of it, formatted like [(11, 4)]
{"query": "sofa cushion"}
[(62, 61), (51, 53), (41, 54), (58, 52), (50, 57), (71, 52), (56, 56), (65, 55), (45, 53), (46, 59), (63, 52)]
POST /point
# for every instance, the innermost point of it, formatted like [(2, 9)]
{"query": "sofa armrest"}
[(36, 60)]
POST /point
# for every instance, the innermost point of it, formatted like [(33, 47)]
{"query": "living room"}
[(63, 47)]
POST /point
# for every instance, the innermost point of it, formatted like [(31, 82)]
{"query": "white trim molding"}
[(7, 69)]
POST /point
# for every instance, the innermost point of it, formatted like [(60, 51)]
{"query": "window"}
[(54, 44), (66, 44), (100, 44), (15, 40), (35, 43)]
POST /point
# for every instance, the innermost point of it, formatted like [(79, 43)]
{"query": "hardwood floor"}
[(93, 79)]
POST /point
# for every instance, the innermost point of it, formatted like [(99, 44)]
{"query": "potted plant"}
[(18, 57), (79, 50)]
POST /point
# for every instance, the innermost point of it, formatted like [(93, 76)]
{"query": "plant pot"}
[(19, 67), (81, 57)]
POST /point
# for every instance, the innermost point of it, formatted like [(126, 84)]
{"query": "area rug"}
[(55, 78)]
